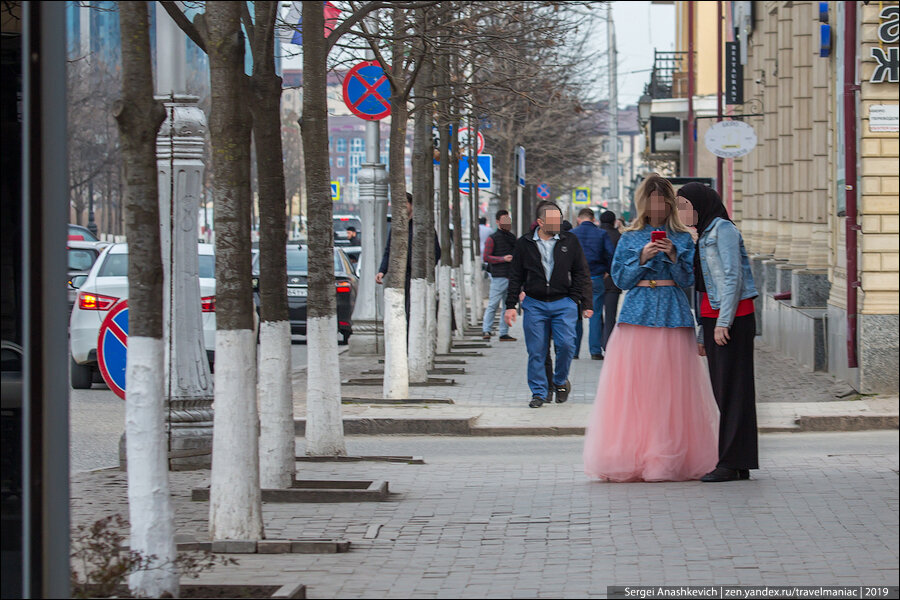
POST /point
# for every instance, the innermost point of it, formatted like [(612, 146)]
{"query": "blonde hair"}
[(662, 186)]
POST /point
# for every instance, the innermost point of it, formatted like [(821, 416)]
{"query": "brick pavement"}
[(516, 517)]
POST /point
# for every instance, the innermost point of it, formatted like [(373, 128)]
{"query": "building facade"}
[(788, 194)]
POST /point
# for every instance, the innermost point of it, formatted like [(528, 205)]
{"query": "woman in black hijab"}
[(728, 327)]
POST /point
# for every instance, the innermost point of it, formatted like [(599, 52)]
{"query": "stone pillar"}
[(189, 385)]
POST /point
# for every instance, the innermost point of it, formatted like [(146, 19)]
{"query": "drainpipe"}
[(690, 123), (720, 184), (850, 89)]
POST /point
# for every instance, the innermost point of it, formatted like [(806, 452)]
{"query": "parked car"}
[(79, 233), (353, 253), (104, 286), (81, 256), (346, 286)]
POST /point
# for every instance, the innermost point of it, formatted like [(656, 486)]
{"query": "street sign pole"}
[(520, 181)]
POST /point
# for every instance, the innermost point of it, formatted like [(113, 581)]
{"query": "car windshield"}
[(342, 223), (297, 260), (85, 234), (116, 265), (81, 259)]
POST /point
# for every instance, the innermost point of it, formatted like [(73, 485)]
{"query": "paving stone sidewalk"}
[(494, 393), (516, 517)]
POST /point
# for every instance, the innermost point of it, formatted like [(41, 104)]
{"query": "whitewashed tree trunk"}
[(444, 322), (431, 319), (324, 418), (396, 374), (478, 274), (471, 289), (235, 507), (460, 299), (418, 331), (276, 406), (150, 505)]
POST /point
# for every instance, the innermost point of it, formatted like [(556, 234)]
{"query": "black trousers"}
[(731, 372), (610, 308)]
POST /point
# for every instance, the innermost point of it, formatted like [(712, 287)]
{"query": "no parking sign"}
[(112, 348)]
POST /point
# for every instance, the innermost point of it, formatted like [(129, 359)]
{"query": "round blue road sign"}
[(367, 91), (543, 191), (112, 348)]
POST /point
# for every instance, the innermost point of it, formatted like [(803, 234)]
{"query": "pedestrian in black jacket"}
[(612, 293), (549, 265)]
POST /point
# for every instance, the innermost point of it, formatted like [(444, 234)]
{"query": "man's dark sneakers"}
[(507, 338), (536, 402), (562, 392), (486, 336), (596, 357)]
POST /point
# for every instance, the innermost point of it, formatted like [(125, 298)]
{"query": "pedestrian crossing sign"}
[(482, 175), (581, 195), (335, 191)]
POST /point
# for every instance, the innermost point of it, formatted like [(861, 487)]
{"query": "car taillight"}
[(88, 301), (343, 286), (208, 304)]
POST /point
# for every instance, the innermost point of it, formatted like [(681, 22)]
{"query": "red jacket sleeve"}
[(488, 255)]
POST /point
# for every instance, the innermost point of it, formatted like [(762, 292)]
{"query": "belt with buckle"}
[(654, 283)]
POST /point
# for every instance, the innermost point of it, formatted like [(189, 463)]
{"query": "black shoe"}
[(536, 402), (562, 392), (507, 338), (596, 357), (722, 474), (744, 473), (485, 336)]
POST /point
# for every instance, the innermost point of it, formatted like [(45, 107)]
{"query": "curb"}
[(467, 426)]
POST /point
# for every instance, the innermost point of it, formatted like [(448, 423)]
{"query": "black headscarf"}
[(708, 204)]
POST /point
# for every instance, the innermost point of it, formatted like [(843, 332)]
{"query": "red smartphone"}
[(655, 236)]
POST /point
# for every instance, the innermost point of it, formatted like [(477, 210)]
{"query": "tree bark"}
[(151, 514), (456, 199), (235, 508), (422, 237), (444, 321), (276, 407), (324, 421), (396, 370)]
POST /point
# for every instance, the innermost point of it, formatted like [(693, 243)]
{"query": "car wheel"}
[(81, 376)]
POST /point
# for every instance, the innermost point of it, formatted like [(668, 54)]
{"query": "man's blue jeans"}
[(595, 337), (538, 320), (497, 301)]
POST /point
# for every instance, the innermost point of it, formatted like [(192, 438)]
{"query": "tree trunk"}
[(235, 508), (422, 237), (456, 199), (151, 514), (477, 273), (324, 421), (276, 406), (444, 321), (396, 370)]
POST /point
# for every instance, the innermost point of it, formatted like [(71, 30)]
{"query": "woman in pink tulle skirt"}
[(655, 417)]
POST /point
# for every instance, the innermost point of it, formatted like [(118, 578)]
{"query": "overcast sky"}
[(640, 27)]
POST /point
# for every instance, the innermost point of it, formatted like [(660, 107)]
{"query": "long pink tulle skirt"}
[(655, 417)]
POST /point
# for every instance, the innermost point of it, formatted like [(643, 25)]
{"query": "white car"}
[(105, 285)]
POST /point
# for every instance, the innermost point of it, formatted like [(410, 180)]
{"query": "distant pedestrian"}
[(611, 293), (654, 416), (353, 236), (498, 254), (598, 250), (549, 266), (727, 330), (621, 225), (484, 232)]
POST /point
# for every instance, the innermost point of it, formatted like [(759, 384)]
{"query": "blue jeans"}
[(595, 337), (538, 320), (499, 285)]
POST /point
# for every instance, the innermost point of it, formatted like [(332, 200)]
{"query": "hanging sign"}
[(734, 74), (730, 139)]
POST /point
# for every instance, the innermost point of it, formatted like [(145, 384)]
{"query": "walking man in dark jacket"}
[(548, 265), (598, 250), (498, 249), (611, 293)]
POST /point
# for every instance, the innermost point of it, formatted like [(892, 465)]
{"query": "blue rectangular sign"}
[(485, 163)]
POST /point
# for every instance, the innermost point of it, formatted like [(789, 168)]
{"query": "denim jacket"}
[(664, 306), (726, 269)]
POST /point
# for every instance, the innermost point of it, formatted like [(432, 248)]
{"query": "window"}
[(81, 259), (356, 145), (621, 145), (355, 160), (340, 161), (605, 170), (341, 145), (353, 173), (621, 171), (605, 146)]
